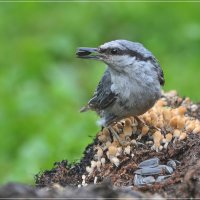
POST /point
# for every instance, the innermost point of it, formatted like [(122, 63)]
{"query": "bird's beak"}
[(88, 53)]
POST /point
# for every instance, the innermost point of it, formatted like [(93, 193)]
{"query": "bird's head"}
[(117, 54)]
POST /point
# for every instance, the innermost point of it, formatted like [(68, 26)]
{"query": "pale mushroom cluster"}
[(157, 128)]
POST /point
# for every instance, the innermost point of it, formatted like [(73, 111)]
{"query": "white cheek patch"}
[(124, 60)]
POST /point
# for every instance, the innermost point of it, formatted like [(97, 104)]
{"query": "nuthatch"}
[(131, 83)]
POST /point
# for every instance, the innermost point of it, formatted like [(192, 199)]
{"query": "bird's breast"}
[(135, 97)]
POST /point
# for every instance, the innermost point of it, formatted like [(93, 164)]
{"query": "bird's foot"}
[(121, 141), (142, 123)]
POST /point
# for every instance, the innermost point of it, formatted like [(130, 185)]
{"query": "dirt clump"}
[(168, 131)]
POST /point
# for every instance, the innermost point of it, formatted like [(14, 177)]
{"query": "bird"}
[(130, 85)]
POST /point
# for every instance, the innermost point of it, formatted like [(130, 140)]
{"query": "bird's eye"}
[(114, 51)]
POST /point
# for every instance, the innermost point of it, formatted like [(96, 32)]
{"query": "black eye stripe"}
[(114, 51), (111, 51), (129, 52), (138, 55)]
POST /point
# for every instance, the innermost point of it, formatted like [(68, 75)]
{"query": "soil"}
[(184, 182)]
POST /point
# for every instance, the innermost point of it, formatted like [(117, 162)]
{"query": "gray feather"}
[(130, 85), (103, 96), (142, 53)]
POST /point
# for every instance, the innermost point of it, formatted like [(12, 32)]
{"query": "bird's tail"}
[(84, 109)]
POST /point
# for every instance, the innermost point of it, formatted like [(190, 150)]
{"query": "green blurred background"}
[(43, 85)]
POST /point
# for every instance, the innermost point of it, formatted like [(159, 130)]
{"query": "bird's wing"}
[(159, 71), (103, 96), (161, 77)]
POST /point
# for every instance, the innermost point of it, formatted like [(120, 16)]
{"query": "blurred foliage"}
[(43, 85)]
